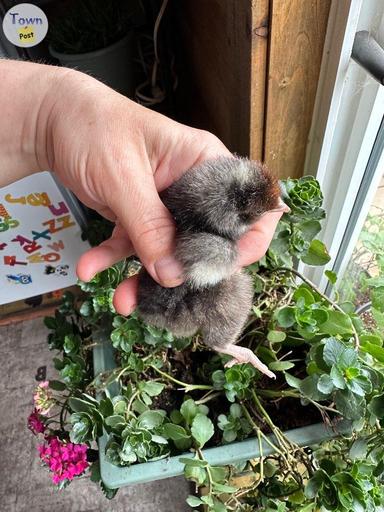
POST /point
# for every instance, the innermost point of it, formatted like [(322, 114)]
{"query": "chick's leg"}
[(244, 355)]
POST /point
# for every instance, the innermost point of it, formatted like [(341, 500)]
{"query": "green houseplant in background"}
[(96, 36), (161, 397), (363, 282)]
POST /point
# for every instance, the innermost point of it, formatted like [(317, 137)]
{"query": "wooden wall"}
[(248, 72), (297, 31)]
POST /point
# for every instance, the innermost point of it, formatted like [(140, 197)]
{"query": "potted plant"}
[(96, 36), (150, 406)]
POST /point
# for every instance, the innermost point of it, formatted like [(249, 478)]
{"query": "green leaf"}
[(332, 276), (349, 405), (276, 336), (280, 366), (358, 449), (218, 379), (78, 405), (80, 430), (176, 416), (196, 474), (175, 432), (303, 293), (153, 388), (151, 419), (379, 318), (377, 298), (292, 381), (348, 359), (374, 350), (363, 383), (235, 411), (337, 378), (286, 316), (71, 343), (202, 429), (57, 385), (114, 420), (106, 407), (193, 462), (228, 489), (194, 501), (376, 406), (325, 384), (203, 409), (337, 323), (219, 473), (371, 338), (317, 254), (189, 410), (159, 439), (333, 349), (310, 229)]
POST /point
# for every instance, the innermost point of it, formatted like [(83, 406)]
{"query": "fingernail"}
[(169, 271)]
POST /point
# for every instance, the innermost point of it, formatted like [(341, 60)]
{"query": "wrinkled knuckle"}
[(154, 231)]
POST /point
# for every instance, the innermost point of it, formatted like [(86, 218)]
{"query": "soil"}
[(286, 413)]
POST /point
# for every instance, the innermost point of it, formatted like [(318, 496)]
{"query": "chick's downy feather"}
[(213, 205)]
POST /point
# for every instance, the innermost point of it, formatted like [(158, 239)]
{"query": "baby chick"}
[(213, 205)]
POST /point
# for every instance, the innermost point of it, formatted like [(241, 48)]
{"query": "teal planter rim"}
[(120, 476)]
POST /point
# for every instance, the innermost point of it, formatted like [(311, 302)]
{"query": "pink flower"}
[(35, 424), (43, 398), (66, 460)]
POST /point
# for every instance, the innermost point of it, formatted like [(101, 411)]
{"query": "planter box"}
[(114, 476)]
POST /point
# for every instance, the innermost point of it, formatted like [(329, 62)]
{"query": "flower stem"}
[(187, 387)]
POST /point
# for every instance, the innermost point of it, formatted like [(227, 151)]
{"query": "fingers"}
[(254, 244), (104, 256), (150, 227), (125, 296)]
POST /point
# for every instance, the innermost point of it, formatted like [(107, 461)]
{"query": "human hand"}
[(116, 156)]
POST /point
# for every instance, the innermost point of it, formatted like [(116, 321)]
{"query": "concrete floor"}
[(24, 484)]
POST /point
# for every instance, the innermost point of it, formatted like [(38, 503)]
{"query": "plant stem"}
[(323, 296), (278, 394), (207, 397), (129, 405), (261, 457), (259, 432), (187, 387), (207, 468), (282, 440)]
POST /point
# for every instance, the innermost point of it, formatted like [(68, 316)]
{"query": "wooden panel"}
[(297, 37), (222, 44), (258, 77)]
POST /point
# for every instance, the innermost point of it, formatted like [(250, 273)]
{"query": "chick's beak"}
[(281, 207)]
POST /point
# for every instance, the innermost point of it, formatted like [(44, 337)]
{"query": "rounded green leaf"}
[(376, 406), (194, 501), (189, 410), (280, 366), (202, 429), (276, 336), (151, 419), (286, 316), (325, 384), (317, 254), (174, 432)]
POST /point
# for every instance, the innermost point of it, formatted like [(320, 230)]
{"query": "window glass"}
[(363, 281)]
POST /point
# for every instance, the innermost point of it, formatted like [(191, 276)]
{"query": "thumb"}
[(150, 228)]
